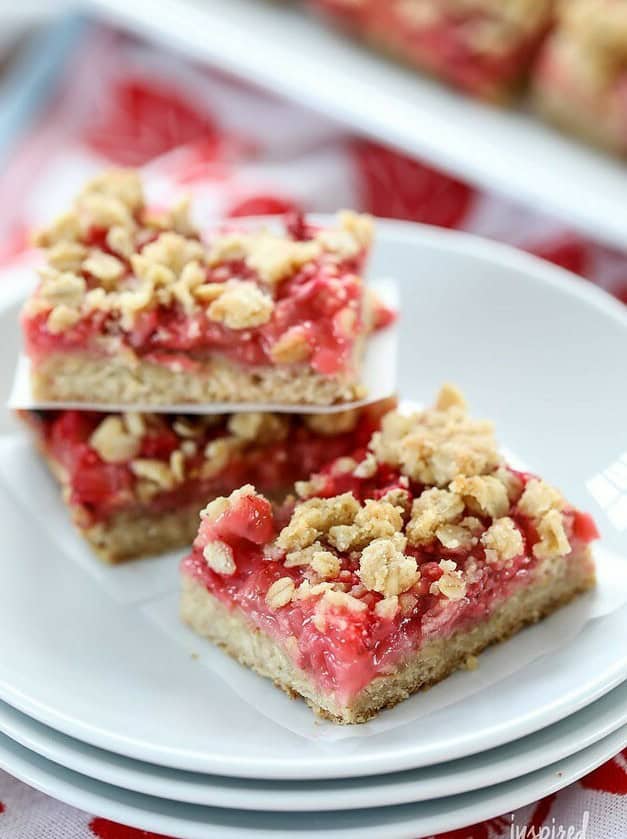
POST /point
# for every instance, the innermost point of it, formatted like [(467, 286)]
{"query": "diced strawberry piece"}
[(261, 205), (159, 444), (252, 519), (94, 482), (584, 527)]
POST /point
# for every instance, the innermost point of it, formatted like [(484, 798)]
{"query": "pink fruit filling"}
[(357, 645)]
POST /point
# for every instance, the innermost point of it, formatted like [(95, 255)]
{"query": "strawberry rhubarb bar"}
[(581, 77), (134, 307), (394, 568), (483, 47), (135, 482)]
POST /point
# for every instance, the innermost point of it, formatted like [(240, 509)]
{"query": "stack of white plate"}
[(105, 710)]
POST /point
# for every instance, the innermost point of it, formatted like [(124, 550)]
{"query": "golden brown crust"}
[(80, 377), (135, 534), (555, 585)]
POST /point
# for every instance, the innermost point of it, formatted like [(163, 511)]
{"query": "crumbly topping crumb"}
[(61, 318), (219, 557), (387, 608), (326, 564), (455, 536), (315, 517), (451, 584), (553, 539), (242, 305), (280, 593), (482, 494), (218, 455), (220, 505), (155, 471), (331, 600), (433, 509), (114, 440), (384, 568), (292, 347), (259, 427), (437, 445), (340, 422), (305, 489), (502, 540), (367, 468), (375, 520), (538, 498), (303, 556)]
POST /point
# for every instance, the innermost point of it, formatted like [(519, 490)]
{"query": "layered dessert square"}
[(580, 80), (135, 483), (483, 47), (134, 307), (393, 568)]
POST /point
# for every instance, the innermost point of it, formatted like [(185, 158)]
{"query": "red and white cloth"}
[(240, 151)]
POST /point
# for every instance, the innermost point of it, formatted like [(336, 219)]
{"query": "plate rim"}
[(478, 806), (26, 731)]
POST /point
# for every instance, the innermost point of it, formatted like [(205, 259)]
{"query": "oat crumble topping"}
[(115, 441), (451, 584), (502, 540), (538, 498), (219, 558), (553, 539), (280, 593), (435, 446), (383, 567), (337, 423)]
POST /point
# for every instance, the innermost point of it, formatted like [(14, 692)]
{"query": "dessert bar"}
[(134, 307), (483, 47), (393, 568), (135, 483), (581, 76)]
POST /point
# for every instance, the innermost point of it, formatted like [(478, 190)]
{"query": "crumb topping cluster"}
[(111, 257), (446, 494), (487, 26)]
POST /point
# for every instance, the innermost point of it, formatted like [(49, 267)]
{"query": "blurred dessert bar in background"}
[(580, 80), (134, 306), (484, 47)]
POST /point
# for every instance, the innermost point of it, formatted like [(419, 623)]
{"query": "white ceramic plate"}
[(407, 821), (513, 760), (508, 151), (536, 349)]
